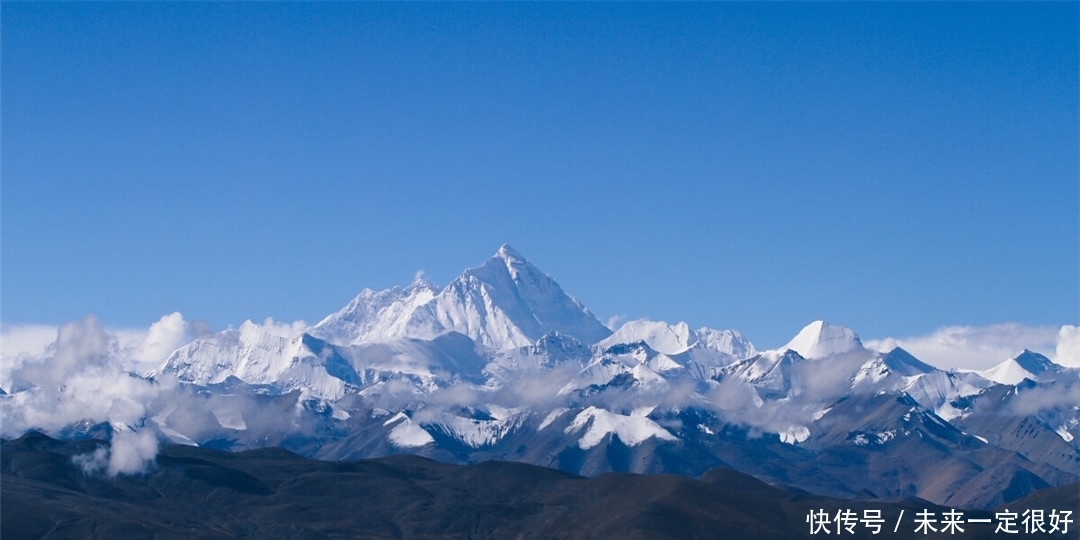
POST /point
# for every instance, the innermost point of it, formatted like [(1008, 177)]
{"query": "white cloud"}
[(92, 462), (138, 348), (284, 329), (129, 452), (90, 373), (85, 374), (982, 347), (25, 339), (164, 336), (1067, 352)]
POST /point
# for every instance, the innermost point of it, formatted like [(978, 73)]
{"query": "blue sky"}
[(894, 168)]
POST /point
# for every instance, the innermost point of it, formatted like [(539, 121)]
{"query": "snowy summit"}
[(820, 339)]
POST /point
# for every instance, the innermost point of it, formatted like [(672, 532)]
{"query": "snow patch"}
[(794, 435), (1007, 372), (407, 434), (1063, 432), (396, 418), (479, 433), (631, 430), (551, 416)]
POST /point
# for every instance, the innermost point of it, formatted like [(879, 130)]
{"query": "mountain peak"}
[(1036, 363), (903, 363), (514, 262), (420, 281), (658, 335), (1026, 365), (375, 315), (820, 339), (508, 253), (508, 302)]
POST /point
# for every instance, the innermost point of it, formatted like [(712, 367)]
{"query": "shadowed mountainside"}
[(272, 493)]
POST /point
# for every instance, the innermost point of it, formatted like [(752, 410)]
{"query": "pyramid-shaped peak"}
[(820, 339), (509, 259), (1036, 363), (508, 253), (1027, 365), (903, 363), (507, 302)]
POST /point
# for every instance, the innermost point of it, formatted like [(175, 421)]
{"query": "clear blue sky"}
[(890, 167)]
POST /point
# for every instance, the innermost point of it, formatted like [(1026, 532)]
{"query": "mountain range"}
[(502, 364), (196, 492)]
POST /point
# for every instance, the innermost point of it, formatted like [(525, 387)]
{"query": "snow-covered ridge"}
[(662, 337), (375, 316)]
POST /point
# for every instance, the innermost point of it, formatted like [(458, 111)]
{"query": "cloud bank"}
[(84, 375), (982, 347)]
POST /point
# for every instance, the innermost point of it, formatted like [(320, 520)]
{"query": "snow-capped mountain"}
[(504, 303), (673, 339), (503, 364), (255, 356), (1027, 365), (662, 337), (820, 339), (375, 316), (772, 374)]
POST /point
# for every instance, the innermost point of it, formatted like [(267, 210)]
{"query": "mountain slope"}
[(271, 493)]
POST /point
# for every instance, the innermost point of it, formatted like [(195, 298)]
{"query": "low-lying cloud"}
[(84, 375), (983, 347), (129, 452), (89, 373)]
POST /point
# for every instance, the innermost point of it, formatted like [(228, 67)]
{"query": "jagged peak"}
[(659, 335), (730, 342)]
